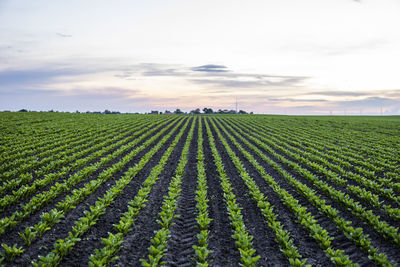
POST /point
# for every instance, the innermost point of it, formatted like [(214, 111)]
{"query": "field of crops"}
[(218, 190)]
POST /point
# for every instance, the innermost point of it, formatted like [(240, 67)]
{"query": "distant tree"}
[(107, 111), (178, 111), (23, 110), (242, 112), (220, 111), (208, 111), (251, 112), (195, 111)]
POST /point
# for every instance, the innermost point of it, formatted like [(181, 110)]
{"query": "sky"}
[(272, 57)]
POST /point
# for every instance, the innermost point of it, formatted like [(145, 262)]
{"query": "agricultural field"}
[(205, 190)]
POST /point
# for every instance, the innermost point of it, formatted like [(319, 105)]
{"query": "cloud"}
[(393, 93), (337, 93), (227, 83), (63, 35), (74, 99), (210, 68), (151, 69), (108, 92), (357, 94), (355, 47), (219, 75), (124, 75), (368, 102), (164, 72), (35, 76), (212, 76), (6, 92), (295, 100), (251, 81)]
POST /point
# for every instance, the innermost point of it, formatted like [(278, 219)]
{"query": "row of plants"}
[(367, 215), (347, 159), (76, 160), (202, 215), (166, 216), (112, 243), (78, 195), (27, 145), (311, 161), (23, 130), (356, 235), (348, 140), (327, 160), (63, 246), (42, 198), (41, 148), (243, 239), (52, 153), (282, 236), (304, 217), (101, 149)]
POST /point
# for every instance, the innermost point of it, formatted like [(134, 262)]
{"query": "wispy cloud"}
[(7, 92), (369, 102), (354, 48), (108, 92), (356, 94), (213, 75), (338, 93), (254, 82), (295, 100), (211, 68), (63, 35), (35, 76)]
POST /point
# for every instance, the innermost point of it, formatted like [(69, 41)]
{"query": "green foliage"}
[(11, 252), (352, 162)]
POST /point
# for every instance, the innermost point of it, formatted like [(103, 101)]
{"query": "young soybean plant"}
[(11, 252)]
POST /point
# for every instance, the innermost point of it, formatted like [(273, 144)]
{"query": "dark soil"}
[(183, 232)]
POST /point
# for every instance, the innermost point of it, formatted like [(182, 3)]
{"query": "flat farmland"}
[(205, 190)]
